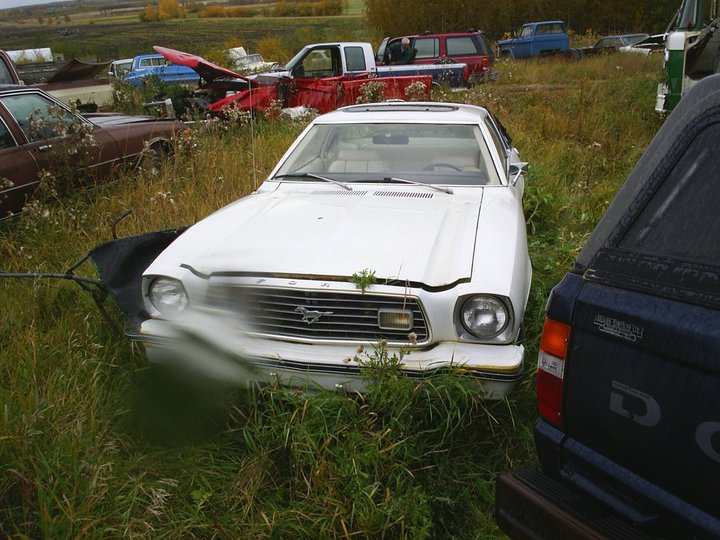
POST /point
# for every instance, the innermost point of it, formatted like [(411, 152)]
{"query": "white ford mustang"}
[(397, 223)]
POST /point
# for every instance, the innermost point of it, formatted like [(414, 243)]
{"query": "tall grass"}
[(96, 443)]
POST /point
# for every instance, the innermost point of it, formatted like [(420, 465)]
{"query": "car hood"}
[(419, 235), (207, 70)]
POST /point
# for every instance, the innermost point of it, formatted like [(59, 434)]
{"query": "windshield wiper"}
[(414, 183), (313, 175)]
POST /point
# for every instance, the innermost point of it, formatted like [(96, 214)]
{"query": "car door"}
[(521, 45), (427, 50), (18, 170)]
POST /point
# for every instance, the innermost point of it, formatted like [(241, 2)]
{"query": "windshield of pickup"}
[(447, 154)]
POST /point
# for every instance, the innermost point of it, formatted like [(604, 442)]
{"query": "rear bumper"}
[(531, 505)]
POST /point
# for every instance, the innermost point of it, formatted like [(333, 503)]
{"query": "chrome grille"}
[(344, 316)]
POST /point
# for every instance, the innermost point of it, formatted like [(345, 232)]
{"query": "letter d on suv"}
[(628, 380)]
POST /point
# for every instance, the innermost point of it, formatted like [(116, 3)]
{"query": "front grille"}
[(342, 316)]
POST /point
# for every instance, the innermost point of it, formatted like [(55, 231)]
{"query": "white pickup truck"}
[(320, 60)]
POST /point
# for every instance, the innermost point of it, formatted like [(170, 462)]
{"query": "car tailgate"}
[(642, 375)]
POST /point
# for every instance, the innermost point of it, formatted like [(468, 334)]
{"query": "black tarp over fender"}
[(120, 264)]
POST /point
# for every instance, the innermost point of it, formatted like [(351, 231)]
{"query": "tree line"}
[(498, 18)]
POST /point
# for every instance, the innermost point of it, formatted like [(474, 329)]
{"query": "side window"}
[(355, 59), (318, 63), (39, 117), (681, 219), (526, 32), (497, 139), (554, 28), (486, 44), (461, 46), (427, 48), (5, 75), (6, 139)]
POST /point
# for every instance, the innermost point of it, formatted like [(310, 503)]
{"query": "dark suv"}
[(472, 48), (628, 380)]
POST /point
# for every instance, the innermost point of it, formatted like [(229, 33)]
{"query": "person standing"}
[(400, 52)]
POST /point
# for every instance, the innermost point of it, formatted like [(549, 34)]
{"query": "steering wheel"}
[(432, 166)]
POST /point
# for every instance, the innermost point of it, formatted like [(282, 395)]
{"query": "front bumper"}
[(208, 346)]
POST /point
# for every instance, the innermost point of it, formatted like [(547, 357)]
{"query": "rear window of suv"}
[(461, 46), (681, 219)]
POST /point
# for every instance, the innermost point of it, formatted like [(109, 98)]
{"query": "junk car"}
[(395, 224), (36, 129)]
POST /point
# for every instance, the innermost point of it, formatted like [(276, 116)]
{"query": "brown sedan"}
[(39, 133)]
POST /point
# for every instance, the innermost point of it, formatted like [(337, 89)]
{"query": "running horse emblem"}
[(310, 316)]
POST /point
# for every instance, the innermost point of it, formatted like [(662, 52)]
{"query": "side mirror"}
[(517, 169)]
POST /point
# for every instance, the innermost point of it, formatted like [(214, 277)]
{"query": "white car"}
[(395, 223)]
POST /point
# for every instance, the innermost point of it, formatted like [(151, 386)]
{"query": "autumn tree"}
[(497, 18), (165, 10)]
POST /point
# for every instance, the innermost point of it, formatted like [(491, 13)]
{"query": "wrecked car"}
[(37, 131), (221, 89), (394, 225)]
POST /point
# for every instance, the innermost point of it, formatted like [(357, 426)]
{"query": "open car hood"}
[(207, 70), (77, 70)]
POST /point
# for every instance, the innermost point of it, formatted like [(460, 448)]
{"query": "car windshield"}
[(445, 154)]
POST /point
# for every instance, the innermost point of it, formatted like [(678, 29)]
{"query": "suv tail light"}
[(551, 370)]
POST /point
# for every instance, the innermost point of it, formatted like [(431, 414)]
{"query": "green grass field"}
[(120, 34), (95, 443)]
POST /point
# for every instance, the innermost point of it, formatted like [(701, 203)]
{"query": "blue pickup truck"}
[(534, 39), (156, 65)]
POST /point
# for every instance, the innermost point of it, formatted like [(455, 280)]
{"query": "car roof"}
[(7, 88), (637, 34), (406, 112), (461, 33)]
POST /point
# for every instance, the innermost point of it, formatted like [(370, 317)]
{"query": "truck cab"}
[(350, 59), (321, 60), (534, 39)]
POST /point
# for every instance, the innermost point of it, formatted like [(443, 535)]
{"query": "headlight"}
[(484, 316), (168, 295)]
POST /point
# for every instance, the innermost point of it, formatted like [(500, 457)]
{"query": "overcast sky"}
[(4, 4)]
